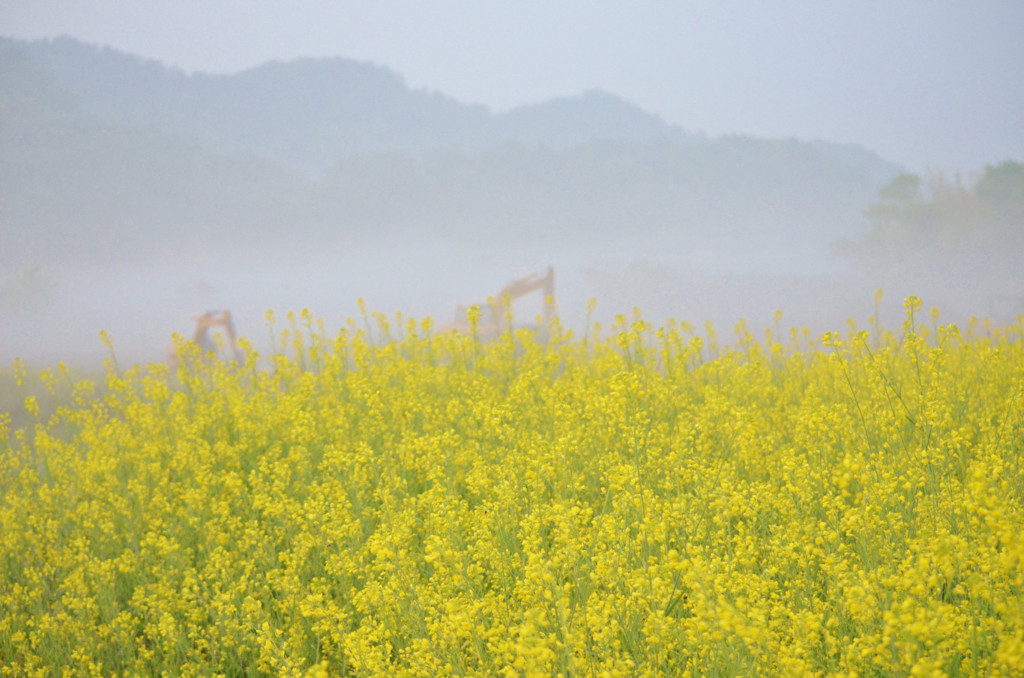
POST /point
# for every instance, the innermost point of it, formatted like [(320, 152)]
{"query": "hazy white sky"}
[(932, 84)]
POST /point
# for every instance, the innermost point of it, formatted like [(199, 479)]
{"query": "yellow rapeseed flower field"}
[(630, 502)]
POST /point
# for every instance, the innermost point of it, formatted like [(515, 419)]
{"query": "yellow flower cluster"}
[(647, 502)]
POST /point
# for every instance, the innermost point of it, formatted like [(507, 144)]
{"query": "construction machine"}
[(493, 320), (202, 338)]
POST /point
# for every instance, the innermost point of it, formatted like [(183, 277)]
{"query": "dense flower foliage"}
[(634, 501)]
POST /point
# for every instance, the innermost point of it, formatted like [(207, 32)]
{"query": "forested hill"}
[(106, 155), (309, 113), (78, 188)]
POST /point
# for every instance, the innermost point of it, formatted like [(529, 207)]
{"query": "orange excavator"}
[(202, 338), (492, 320)]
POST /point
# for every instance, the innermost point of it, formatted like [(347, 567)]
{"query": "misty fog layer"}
[(141, 305), (134, 198)]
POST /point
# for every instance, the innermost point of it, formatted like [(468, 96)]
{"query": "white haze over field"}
[(142, 305)]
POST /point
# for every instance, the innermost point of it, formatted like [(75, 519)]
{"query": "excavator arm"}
[(522, 287), (493, 320)]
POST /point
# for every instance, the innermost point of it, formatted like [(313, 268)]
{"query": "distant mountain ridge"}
[(106, 156), (593, 115), (309, 113)]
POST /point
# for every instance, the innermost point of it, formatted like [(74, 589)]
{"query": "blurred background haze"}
[(700, 161)]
